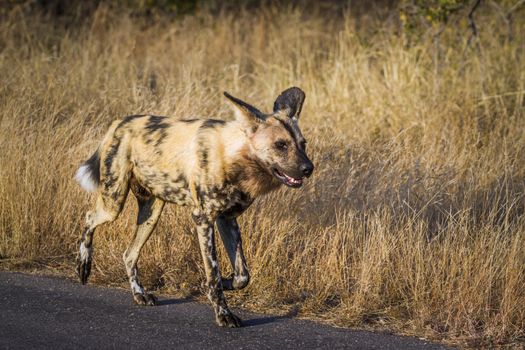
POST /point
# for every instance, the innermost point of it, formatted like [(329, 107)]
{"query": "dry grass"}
[(413, 220)]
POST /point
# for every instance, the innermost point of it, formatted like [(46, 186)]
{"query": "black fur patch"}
[(296, 136), (93, 164), (108, 162), (200, 193), (188, 121), (156, 124), (237, 209), (203, 156), (129, 118), (114, 195), (212, 123), (144, 211)]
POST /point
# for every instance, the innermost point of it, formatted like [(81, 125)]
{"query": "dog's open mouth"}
[(287, 180)]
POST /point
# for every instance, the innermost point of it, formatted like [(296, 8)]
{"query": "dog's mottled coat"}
[(216, 167)]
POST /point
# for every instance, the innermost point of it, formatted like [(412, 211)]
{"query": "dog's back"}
[(167, 157)]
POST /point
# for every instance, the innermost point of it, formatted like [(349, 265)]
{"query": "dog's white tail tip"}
[(85, 179)]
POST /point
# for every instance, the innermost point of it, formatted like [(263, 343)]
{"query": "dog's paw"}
[(145, 299), (233, 282), (229, 320)]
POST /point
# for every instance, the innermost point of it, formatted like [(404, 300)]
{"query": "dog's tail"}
[(88, 175)]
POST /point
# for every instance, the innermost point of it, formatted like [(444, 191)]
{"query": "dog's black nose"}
[(307, 169)]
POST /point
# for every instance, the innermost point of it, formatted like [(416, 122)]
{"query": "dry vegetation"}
[(413, 220)]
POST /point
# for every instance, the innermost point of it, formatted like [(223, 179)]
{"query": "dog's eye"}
[(281, 145)]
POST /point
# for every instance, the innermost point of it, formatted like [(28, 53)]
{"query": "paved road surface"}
[(51, 313)]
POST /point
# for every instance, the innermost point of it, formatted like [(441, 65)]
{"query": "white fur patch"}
[(85, 253), (136, 288), (223, 311), (241, 279), (83, 177)]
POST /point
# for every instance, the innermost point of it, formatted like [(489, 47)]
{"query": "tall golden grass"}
[(413, 220)]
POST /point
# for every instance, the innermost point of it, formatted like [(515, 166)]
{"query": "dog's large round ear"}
[(245, 112), (289, 103)]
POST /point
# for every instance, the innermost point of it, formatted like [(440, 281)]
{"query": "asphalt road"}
[(39, 312)]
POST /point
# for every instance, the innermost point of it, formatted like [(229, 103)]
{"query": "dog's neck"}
[(257, 181), (242, 166), (251, 176)]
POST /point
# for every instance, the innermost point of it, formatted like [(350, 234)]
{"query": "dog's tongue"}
[(292, 180)]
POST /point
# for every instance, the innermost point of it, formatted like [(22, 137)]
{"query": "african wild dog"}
[(217, 167)]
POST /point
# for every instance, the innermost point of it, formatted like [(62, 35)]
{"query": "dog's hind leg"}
[(112, 185), (106, 211), (231, 237), (150, 209)]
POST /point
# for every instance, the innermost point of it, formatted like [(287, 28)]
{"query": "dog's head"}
[(275, 140)]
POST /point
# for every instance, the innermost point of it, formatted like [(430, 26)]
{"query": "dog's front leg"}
[(231, 237), (205, 231)]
